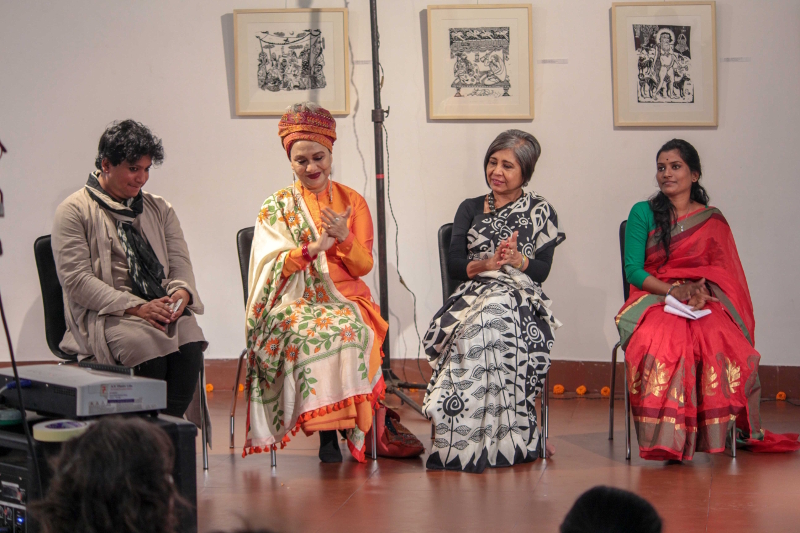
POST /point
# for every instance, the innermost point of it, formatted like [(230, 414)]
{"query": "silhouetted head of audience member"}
[(114, 478), (610, 510)]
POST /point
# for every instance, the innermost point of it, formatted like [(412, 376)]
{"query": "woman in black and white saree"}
[(489, 345)]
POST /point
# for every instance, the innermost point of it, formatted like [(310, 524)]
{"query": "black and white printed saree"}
[(489, 347)]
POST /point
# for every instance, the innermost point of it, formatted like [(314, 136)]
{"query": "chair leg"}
[(733, 441), (545, 416), (627, 424), (374, 436), (236, 391), (203, 421), (613, 388), (273, 457)]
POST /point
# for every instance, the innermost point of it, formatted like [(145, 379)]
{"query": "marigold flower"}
[(288, 322), (209, 387), (605, 392), (321, 295), (292, 219), (291, 353), (558, 389), (347, 334), (323, 323), (263, 215), (781, 396), (273, 346), (581, 390)]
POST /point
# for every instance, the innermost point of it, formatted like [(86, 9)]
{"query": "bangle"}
[(306, 254), (521, 264), (669, 290)]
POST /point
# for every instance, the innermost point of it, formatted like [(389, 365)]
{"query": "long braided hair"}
[(664, 212)]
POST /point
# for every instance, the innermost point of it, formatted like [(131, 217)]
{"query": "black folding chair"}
[(449, 285), (626, 291), (55, 325), (244, 243)]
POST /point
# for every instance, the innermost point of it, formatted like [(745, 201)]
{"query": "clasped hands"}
[(334, 228), (507, 254), (694, 293), (158, 313)]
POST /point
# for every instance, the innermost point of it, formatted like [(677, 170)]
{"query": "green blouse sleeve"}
[(640, 223)]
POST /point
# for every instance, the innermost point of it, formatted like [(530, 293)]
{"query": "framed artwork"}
[(665, 63), (284, 56), (480, 62)]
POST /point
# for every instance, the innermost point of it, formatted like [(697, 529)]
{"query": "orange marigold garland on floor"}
[(605, 392), (558, 389), (781, 396), (581, 390)]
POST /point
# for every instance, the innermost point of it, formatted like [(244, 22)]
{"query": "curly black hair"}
[(128, 140), (114, 478)]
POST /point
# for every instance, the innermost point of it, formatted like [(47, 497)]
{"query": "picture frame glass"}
[(289, 56), (664, 64), (479, 62)]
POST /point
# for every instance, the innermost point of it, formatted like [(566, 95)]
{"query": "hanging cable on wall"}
[(397, 252)]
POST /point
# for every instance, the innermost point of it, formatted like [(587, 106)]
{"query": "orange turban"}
[(318, 126)]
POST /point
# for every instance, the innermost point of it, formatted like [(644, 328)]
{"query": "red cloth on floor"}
[(774, 443)]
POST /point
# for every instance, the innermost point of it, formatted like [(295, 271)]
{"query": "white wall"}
[(67, 69)]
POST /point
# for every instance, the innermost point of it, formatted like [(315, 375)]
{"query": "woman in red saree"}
[(689, 380)]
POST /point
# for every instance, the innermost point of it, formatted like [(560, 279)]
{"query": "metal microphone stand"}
[(393, 383)]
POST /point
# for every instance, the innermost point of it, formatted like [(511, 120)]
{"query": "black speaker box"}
[(18, 485)]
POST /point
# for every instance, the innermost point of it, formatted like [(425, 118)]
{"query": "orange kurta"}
[(348, 261)]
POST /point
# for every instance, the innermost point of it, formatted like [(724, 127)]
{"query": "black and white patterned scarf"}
[(145, 270)]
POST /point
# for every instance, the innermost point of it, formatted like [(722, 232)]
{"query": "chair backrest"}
[(449, 285), (55, 325), (626, 287), (244, 243)]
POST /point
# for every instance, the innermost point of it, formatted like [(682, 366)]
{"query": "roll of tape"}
[(58, 430), (9, 416)]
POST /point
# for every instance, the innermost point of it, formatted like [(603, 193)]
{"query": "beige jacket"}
[(82, 237)]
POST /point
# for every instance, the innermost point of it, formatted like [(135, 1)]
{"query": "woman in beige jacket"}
[(129, 289)]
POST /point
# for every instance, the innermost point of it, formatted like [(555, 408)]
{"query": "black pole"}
[(377, 118)]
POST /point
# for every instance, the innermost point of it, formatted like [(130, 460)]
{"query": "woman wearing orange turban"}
[(314, 334)]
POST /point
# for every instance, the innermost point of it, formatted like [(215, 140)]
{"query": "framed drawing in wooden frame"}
[(283, 56), (480, 62), (664, 63)]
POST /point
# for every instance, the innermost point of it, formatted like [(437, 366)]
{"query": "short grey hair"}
[(526, 149), (304, 107)]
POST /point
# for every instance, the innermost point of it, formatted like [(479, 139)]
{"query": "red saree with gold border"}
[(690, 380)]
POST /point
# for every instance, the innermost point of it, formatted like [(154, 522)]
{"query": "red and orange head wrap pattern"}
[(318, 126)]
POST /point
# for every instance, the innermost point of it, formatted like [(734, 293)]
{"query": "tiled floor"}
[(712, 493)]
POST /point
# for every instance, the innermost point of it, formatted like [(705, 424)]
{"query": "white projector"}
[(71, 391)]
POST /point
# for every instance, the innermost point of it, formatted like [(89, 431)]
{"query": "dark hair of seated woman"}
[(610, 510), (114, 478)]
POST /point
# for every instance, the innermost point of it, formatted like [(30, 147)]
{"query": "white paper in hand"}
[(675, 307)]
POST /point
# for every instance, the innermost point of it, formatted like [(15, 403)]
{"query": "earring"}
[(330, 187)]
